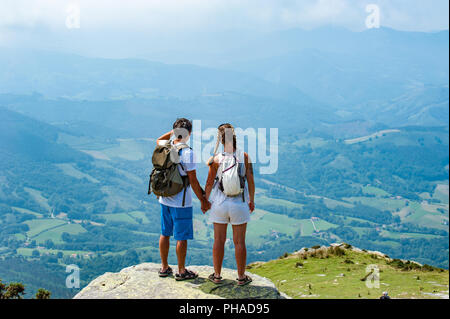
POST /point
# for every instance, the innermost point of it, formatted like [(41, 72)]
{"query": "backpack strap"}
[(219, 172), (235, 163), (242, 173), (185, 179), (185, 186)]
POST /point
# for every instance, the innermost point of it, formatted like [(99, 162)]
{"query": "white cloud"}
[(125, 28), (164, 15)]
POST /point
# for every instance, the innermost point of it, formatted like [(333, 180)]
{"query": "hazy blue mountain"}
[(149, 117), (347, 75), (28, 139), (422, 106), (65, 75), (354, 68), (223, 48)]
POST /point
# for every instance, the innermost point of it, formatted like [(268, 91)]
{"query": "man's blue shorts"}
[(177, 222)]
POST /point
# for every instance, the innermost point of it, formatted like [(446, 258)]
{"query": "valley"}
[(123, 223)]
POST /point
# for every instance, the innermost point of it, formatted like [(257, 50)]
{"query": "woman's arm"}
[(192, 175), (211, 177), (165, 137), (250, 181)]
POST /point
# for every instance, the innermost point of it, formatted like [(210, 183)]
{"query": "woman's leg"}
[(240, 249), (220, 236)]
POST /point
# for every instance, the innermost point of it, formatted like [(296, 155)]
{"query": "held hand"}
[(206, 205), (251, 206)]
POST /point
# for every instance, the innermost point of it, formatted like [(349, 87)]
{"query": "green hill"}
[(344, 272)]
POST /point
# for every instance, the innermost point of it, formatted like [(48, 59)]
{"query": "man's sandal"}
[(166, 273), (187, 275), (244, 281), (214, 279)]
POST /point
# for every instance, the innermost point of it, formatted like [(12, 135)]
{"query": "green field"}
[(137, 215), (332, 203), (396, 235), (70, 170), (26, 211), (374, 191), (420, 216), (129, 149), (389, 204), (38, 198), (119, 217), (28, 251), (313, 142), (38, 226), (51, 229), (441, 193), (264, 200), (54, 234)]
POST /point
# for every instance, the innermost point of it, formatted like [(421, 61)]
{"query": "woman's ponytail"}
[(221, 130)]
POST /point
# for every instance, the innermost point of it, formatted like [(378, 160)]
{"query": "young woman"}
[(226, 209)]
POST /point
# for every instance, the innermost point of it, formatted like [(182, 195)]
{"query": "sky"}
[(75, 24)]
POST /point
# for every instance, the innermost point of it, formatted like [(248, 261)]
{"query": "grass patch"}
[(119, 217), (38, 226), (70, 170), (337, 278), (372, 190), (55, 234)]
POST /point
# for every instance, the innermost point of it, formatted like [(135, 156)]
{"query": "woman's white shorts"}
[(232, 210)]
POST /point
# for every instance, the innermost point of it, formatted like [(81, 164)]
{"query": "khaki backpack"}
[(165, 179)]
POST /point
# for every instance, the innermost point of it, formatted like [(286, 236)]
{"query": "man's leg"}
[(164, 245), (181, 255), (183, 231), (240, 249), (164, 239), (220, 236)]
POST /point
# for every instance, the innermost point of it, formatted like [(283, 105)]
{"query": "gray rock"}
[(142, 282)]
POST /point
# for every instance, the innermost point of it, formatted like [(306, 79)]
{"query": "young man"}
[(176, 219)]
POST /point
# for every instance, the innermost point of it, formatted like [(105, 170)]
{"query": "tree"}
[(49, 244), (14, 290), (2, 289), (35, 253), (43, 294)]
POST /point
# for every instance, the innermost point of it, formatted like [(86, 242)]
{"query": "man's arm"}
[(165, 137), (192, 175)]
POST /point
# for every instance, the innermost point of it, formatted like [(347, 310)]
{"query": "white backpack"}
[(231, 176)]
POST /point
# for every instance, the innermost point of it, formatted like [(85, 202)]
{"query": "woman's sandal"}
[(214, 279), (187, 275), (166, 273), (244, 281)]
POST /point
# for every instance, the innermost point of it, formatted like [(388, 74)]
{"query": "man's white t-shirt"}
[(187, 159)]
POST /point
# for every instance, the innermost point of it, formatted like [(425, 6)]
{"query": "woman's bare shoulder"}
[(213, 160)]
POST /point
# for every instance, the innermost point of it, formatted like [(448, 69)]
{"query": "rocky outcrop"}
[(142, 282)]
